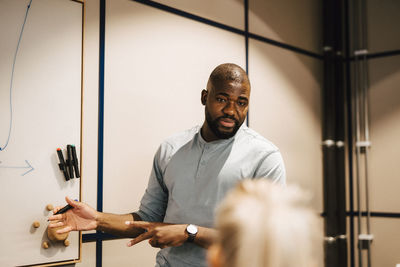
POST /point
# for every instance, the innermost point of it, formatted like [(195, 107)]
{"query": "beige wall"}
[(297, 23), (153, 85), (285, 108), (383, 25), (384, 164), (228, 12), (157, 63), (385, 245)]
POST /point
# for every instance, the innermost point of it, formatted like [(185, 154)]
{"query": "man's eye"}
[(221, 100), (242, 104)]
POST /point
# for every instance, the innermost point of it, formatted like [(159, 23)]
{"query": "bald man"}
[(192, 172)]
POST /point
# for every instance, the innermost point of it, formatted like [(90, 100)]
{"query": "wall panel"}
[(88, 255), (153, 85), (383, 25), (297, 23), (116, 253), (385, 246), (384, 154), (223, 11), (285, 108)]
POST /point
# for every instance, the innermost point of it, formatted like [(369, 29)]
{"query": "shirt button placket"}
[(202, 161)]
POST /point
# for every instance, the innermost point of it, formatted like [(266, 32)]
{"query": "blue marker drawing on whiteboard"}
[(29, 166), (12, 77)]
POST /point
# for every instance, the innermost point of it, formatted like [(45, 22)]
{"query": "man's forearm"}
[(205, 236), (115, 224)]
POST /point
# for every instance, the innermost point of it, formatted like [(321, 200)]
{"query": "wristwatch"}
[(191, 229)]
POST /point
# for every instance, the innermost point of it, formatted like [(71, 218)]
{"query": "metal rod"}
[(357, 122), (366, 123), (357, 149)]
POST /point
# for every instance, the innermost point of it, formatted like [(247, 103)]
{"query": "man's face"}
[(226, 107)]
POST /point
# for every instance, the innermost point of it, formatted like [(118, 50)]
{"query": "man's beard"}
[(213, 124)]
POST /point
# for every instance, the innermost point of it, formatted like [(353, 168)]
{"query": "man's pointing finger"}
[(139, 238)]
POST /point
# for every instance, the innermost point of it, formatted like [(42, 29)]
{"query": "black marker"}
[(64, 209), (75, 161), (62, 164), (69, 161)]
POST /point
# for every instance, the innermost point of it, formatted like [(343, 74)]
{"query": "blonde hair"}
[(266, 225)]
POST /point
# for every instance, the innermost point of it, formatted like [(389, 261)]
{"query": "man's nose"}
[(229, 108)]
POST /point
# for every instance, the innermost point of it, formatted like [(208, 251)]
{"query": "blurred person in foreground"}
[(261, 224)]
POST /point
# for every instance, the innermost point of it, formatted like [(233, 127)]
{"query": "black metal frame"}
[(333, 135)]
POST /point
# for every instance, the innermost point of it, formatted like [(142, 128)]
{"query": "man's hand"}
[(160, 235), (81, 217)]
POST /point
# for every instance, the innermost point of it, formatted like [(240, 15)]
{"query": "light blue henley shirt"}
[(191, 176)]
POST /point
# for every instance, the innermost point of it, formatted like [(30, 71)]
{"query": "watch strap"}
[(191, 236)]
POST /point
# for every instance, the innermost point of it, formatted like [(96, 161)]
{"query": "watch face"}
[(192, 229)]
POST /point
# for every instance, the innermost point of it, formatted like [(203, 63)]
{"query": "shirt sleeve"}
[(155, 199), (272, 167)]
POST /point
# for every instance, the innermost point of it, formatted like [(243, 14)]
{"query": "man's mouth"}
[(226, 122)]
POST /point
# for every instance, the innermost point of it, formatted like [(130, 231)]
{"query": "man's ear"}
[(214, 256), (204, 95)]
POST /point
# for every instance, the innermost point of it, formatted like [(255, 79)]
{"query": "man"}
[(192, 172)]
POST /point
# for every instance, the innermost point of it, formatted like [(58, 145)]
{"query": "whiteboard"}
[(40, 110)]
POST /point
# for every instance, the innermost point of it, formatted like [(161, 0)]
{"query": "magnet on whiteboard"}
[(49, 207), (45, 245), (66, 242), (36, 224)]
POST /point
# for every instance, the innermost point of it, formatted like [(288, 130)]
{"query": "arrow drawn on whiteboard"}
[(28, 166), (12, 77)]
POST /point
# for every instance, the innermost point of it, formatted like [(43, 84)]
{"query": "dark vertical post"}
[(246, 40), (340, 126), (333, 134), (99, 244)]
